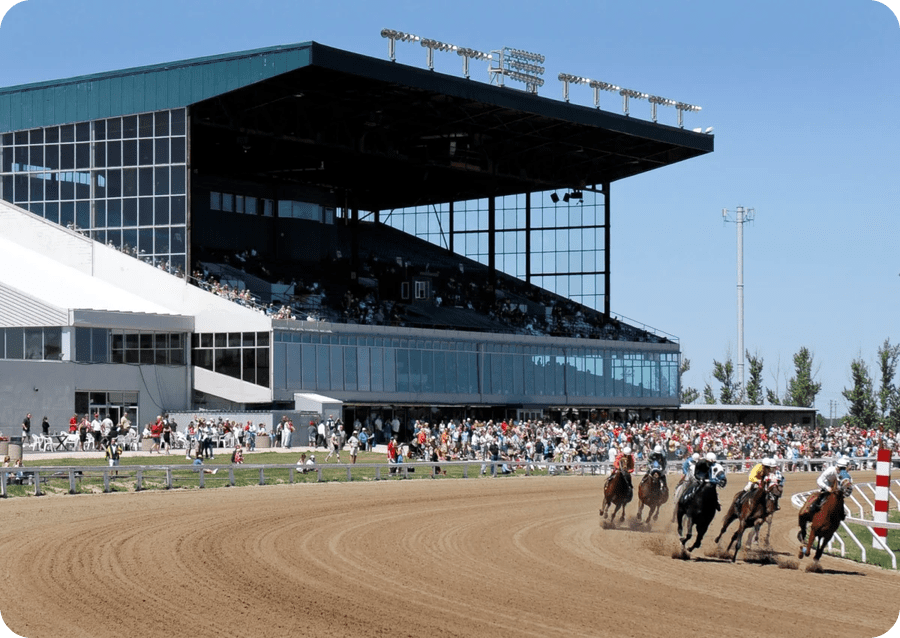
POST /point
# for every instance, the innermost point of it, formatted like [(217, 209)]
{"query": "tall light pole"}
[(740, 216)]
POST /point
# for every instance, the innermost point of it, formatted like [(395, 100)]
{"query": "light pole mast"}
[(740, 216)]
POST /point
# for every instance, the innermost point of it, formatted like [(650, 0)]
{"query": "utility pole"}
[(740, 216)]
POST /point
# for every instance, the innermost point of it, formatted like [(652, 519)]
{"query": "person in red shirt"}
[(156, 432), (73, 424), (392, 453)]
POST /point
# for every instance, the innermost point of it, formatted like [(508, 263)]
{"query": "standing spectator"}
[(96, 430), (320, 436), (364, 440), (166, 438), (45, 426), (334, 447), (73, 424), (251, 436), (287, 431), (156, 431), (354, 446), (113, 453), (392, 453), (311, 434), (26, 427), (83, 428)]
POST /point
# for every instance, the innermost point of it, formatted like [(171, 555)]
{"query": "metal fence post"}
[(139, 480), (71, 481)]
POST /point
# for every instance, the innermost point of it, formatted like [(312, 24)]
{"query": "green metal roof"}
[(143, 89)]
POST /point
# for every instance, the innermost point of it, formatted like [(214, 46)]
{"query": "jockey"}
[(716, 470), (687, 474), (759, 472), (703, 473), (657, 461), (624, 463), (828, 481)]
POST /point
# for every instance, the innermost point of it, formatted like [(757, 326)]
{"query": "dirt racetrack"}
[(510, 556)]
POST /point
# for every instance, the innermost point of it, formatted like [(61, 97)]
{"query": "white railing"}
[(798, 500)]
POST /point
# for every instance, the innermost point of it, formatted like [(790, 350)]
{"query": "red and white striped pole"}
[(882, 494)]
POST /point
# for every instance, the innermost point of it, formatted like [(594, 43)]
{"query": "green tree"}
[(802, 388), (888, 393), (754, 392), (863, 411), (729, 392), (708, 397), (688, 395)]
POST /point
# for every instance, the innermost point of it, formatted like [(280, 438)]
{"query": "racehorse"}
[(697, 511), (775, 493), (615, 492), (825, 522), (653, 493), (751, 512)]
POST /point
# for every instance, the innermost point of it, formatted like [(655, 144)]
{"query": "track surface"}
[(509, 556)]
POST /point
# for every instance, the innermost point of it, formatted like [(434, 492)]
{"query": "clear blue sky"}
[(803, 96)]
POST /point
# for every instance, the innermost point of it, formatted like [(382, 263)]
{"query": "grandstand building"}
[(235, 231)]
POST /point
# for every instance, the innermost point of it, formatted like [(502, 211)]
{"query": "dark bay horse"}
[(771, 507), (697, 511), (615, 492), (653, 493), (824, 523), (751, 512)]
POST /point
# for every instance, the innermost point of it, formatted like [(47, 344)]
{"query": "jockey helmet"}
[(695, 457), (626, 451), (842, 462), (658, 449), (710, 457), (767, 462)]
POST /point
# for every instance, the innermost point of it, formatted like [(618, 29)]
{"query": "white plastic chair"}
[(35, 442), (46, 443)]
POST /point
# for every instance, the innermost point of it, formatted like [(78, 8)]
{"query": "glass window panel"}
[(262, 367), (427, 373), (176, 185), (337, 368), (161, 121), (363, 376), (376, 367), (178, 126), (99, 129), (129, 182), (83, 215), (34, 343), (114, 153), (67, 213), (99, 345), (67, 133), (249, 364), (177, 152), (145, 211), (161, 211), (310, 365), (129, 153), (145, 181), (67, 156), (114, 213), (82, 156), (129, 126), (145, 125), (178, 208), (323, 378), (83, 344), (15, 343), (229, 362), (350, 368), (145, 152)]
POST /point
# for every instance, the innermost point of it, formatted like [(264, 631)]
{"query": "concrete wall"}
[(47, 388)]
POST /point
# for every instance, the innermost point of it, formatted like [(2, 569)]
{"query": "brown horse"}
[(615, 492), (771, 507), (824, 523), (750, 512), (653, 493)]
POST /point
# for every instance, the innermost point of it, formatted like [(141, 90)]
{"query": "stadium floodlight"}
[(435, 45), (525, 55), (656, 100), (516, 64), (566, 79), (471, 54), (602, 86), (630, 93), (682, 107), (393, 36)]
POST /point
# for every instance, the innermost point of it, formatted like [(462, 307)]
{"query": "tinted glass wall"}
[(122, 180), (324, 362)]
